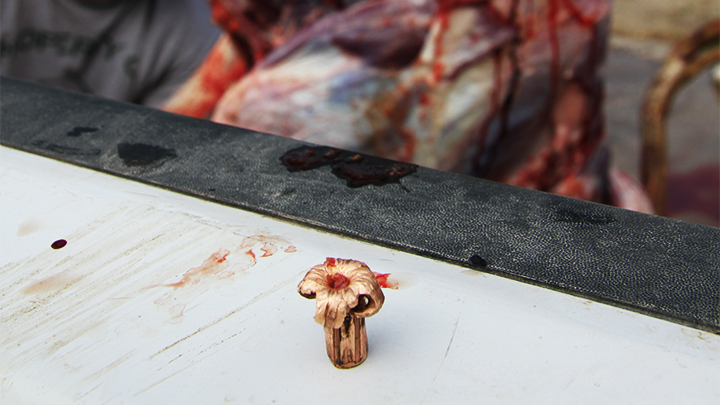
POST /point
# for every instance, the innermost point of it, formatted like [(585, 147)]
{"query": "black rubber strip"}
[(653, 265)]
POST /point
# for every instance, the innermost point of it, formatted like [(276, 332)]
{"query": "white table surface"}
[(95, 322)]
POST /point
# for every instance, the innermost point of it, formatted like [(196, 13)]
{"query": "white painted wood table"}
[(159, 297)]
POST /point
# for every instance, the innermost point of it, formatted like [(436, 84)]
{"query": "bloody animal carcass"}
[(507, 90)]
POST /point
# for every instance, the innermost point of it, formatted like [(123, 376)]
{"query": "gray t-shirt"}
[(138, 51)]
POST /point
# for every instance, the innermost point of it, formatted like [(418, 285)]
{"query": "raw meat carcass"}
[(252, 28), (508, 90)]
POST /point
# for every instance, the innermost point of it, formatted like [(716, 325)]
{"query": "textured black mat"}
[(657, 266)]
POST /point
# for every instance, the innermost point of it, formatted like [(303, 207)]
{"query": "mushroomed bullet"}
[(346, 292)]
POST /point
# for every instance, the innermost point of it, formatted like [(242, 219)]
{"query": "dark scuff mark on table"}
[(77, 131), (356, 169), (140, 154), (66, 150), (477, 262)]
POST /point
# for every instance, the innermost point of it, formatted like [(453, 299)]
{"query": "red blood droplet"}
[(337, 281), (438, 70), (330, 262), (384, 282), (59, 244)]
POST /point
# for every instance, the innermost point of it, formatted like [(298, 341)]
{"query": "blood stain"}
[(291, 249), (140, 154), (216, 265), (268, 250), (209, 267), (357, 170), (337, 281), (58, 244), (220, 266), (384, 282)]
